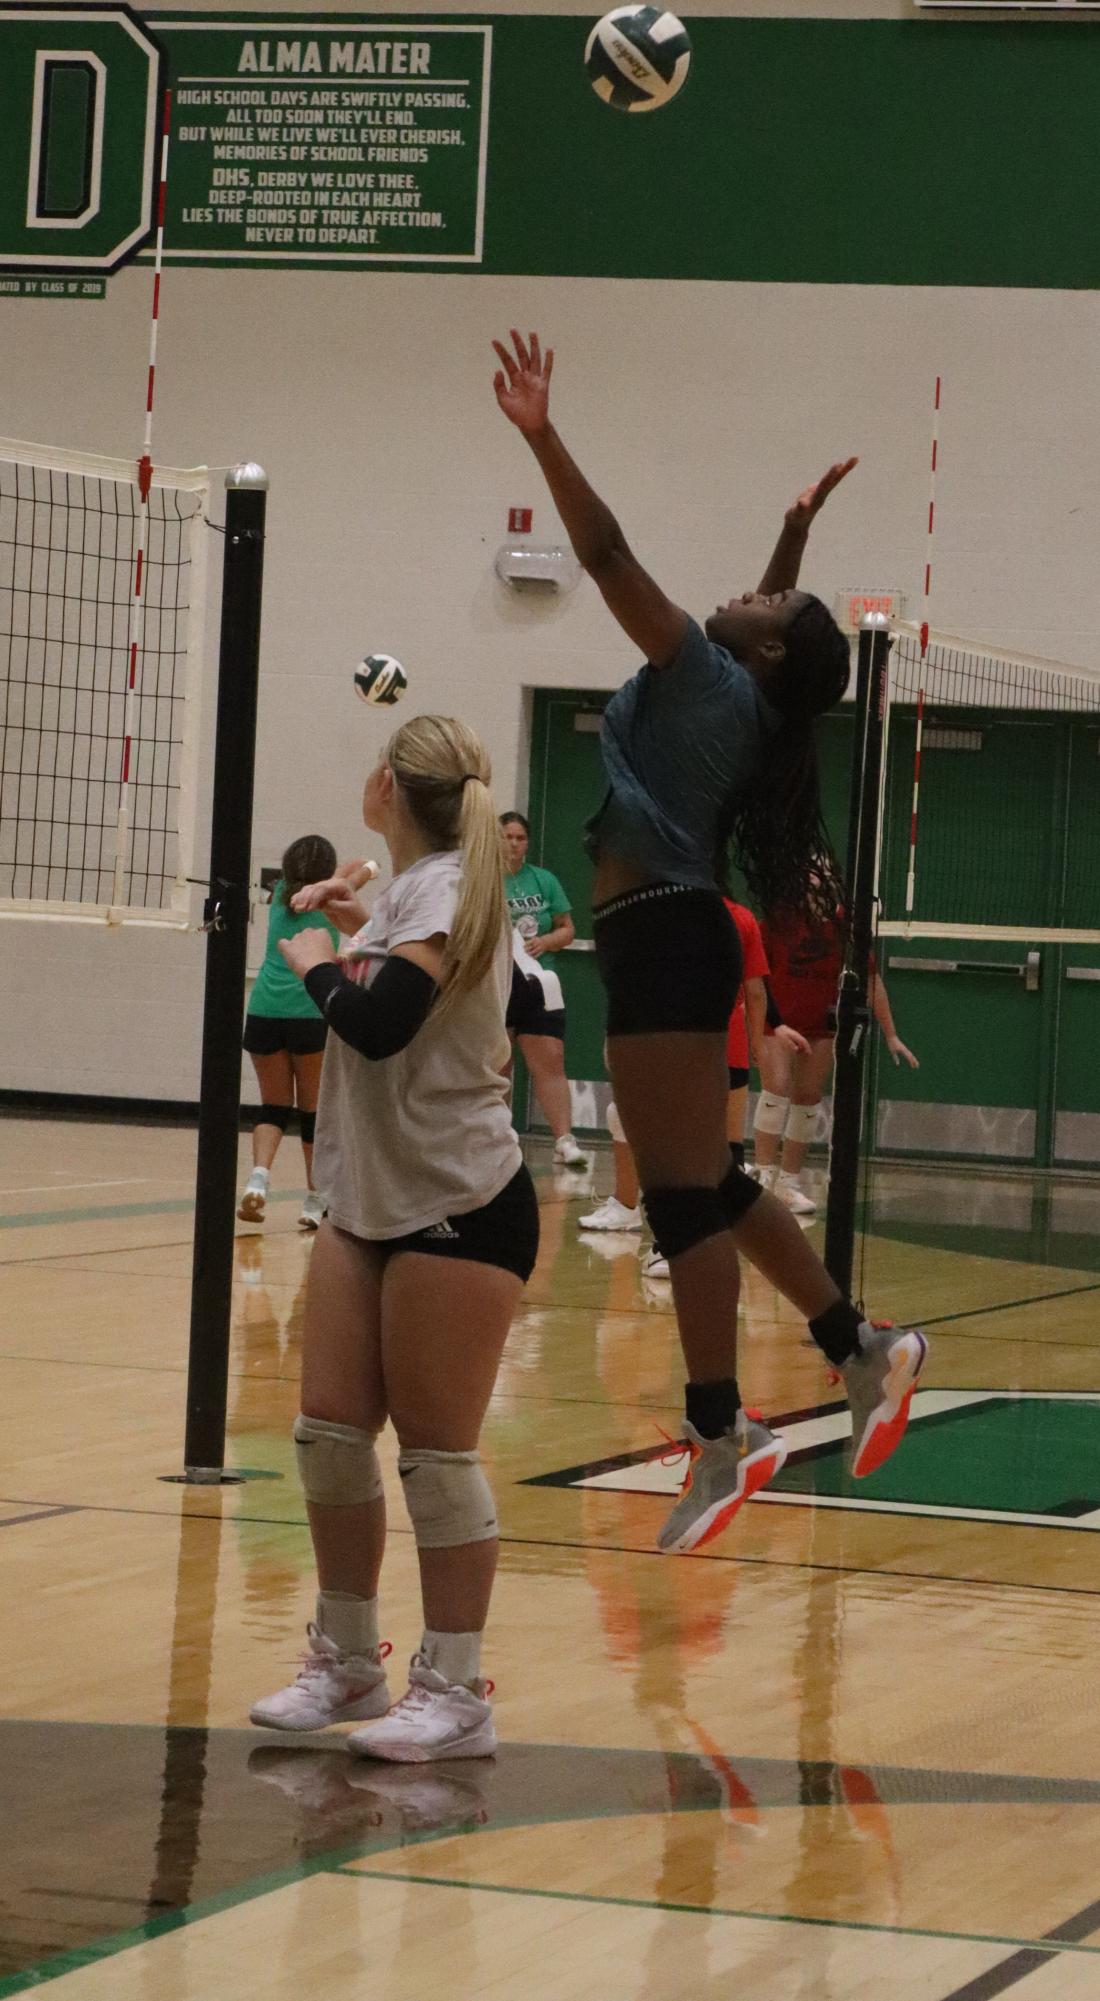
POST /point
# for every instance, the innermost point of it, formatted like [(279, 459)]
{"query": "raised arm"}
[(647, 616), (786, 558)]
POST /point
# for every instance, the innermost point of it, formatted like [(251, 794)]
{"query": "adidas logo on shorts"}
[(442, 1233)]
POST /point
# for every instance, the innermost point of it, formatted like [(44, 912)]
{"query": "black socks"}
[(712, 1408), (836, 1331)]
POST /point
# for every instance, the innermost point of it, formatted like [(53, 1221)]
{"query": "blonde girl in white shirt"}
[(431, 1235)]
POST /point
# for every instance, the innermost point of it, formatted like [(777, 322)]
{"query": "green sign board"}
[(79, 101), (327, 141)]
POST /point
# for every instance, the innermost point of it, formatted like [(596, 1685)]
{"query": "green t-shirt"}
[(536, 900), (278, 991)]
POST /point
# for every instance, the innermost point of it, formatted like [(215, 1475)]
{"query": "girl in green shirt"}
[(285, 1034)]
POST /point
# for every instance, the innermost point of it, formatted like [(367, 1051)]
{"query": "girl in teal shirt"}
[(285, 1034)]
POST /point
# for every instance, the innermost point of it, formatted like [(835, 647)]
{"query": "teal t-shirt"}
[(278, 991), (536, 900)]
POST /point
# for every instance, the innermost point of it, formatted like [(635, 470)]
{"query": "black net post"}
[(226, 946), (853, 1013)]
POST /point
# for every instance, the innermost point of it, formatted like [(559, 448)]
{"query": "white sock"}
[(261, 1175), (352, 1622), (456, 1656)]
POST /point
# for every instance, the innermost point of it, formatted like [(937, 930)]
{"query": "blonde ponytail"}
[(443, 772)]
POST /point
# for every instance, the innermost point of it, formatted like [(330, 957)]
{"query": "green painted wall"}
[(922, 152)]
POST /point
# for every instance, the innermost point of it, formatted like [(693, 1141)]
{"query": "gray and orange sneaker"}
[(879, 1380), (724, 1473)]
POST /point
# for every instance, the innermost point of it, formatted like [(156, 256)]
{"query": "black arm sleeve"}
[(378, 1020)]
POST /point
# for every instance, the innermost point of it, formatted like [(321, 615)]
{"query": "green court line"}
[(188, 1914), (337, 1863), (32, 1219), (707, 1910)]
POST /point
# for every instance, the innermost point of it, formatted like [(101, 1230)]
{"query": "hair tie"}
[(468, 777)]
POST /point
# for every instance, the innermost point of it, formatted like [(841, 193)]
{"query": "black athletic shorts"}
[(527, 1016), (738, 1077), (669, 958), (267, 1034), (505, 1232)]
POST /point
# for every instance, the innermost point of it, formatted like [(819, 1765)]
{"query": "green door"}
[(1077, 1067), (980, 1014)]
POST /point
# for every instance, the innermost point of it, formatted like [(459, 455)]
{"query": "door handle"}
[(1083, 972), (1029, 971)]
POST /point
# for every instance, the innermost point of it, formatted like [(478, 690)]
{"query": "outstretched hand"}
[(812, 500), (522, 382)]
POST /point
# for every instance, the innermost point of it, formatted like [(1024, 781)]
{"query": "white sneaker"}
[(330, 1687), (611, 1215), (254, 1199), (793, 1195), (433, 1719), (655, 1266), (568, 1154), (313, 1211)]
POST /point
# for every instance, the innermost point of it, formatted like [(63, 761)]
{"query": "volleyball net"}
[(102, 609), (974, 814), (990, 776)]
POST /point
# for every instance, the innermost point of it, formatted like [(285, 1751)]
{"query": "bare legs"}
[(544, 1056), (284, 1079), (672, 1091), (275, 1077), (418, 1339), (802, 1079)]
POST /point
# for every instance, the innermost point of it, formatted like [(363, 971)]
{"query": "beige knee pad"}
[(337, 1464), (448, 1498), (801, 1126), (615, 1124), (770, 1114)]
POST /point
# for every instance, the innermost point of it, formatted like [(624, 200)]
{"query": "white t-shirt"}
[(407, 1141)]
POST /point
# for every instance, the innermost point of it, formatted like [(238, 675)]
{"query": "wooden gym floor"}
[(847, 1752)]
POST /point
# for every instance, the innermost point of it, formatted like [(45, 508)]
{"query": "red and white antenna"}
[(926, 609), (136, 623)]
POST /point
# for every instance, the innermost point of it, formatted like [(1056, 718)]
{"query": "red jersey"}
[(806, 957), (754, 966)]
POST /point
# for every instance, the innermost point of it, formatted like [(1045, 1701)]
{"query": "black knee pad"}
[(274, 1115), (680, 1218), (737, 1194), (307, 1123)]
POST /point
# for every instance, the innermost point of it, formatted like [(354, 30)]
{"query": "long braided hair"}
[(775, 828)]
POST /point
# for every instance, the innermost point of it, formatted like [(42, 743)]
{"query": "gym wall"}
[(844, 202)]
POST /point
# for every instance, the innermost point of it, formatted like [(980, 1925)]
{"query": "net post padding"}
[(93, 828), (853, 1004), (227, 917)]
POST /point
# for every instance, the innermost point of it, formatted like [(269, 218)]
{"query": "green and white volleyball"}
[(380, 679), (637, 58)]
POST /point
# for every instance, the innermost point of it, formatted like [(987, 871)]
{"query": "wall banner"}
[(327, 142)]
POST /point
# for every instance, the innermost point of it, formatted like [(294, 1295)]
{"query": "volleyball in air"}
[(380, 679), (637, 58)]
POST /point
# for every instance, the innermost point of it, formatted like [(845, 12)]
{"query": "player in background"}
[(540, 912), (284, 1033), (806, 957)]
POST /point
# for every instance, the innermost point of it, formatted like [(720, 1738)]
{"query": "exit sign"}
[(850, 607)]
